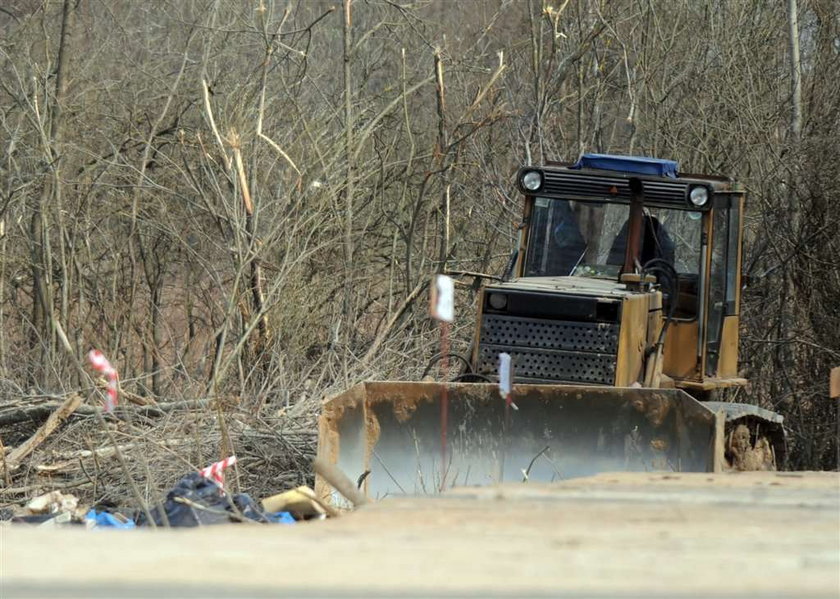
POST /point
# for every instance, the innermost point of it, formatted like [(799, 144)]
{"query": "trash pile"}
[(64, 460), (105, 445), (198, 499)]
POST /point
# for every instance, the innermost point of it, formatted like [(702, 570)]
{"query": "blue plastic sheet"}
[(281, 518), (657, 167), (106, 520)]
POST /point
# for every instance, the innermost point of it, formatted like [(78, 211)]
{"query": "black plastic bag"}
[(196, 501)]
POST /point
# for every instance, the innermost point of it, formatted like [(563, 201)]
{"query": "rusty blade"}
[(392, 429)]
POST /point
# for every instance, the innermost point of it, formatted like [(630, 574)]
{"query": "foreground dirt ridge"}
[(686, 535)]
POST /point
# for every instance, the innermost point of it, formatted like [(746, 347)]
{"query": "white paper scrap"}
[(443, 299)]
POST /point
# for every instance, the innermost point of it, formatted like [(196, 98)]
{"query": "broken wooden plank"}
[(297, 501), (17, 455)]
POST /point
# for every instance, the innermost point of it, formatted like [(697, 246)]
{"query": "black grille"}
[(572, 185), (551, 365), (549, 350), (549, 334)]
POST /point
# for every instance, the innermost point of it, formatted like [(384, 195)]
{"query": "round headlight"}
[(532, 180), (497, 301), (699, 196)]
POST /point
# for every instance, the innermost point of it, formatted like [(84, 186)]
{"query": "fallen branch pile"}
[(57, 442)]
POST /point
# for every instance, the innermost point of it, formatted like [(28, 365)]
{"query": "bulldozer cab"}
[(566, 295)]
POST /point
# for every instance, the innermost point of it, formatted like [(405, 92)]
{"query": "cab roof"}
[(657, 167)]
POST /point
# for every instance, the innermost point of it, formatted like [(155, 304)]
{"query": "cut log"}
[(43, 410), (17, 455)]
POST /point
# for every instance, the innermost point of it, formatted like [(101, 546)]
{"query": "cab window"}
[(588, 239)]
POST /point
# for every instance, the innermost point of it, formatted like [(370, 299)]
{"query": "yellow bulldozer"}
[(619, 311)]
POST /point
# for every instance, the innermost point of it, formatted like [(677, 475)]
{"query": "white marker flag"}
[(505, 386), (443, 299)]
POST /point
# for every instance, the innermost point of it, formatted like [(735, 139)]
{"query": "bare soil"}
[(622, 535)]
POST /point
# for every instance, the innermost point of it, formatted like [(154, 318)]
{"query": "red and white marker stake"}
[(101, 364), (506, 391), (216, 472), (506, 380), (442, 308)]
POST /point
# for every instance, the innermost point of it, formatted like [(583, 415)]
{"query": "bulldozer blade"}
[(388, 434)]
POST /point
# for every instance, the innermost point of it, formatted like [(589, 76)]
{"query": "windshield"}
[(588, 239)]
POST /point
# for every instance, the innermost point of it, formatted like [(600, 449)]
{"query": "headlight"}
[(699, 196), (497, 301), (532, 180)]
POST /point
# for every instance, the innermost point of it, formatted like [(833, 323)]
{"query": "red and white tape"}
[(101, 364), (215, 472)]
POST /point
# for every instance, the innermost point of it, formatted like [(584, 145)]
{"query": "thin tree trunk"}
[(440, 94), (157, 334), (536, 132), (255, 282), (790, 320), (795, 72), (40, 254), (348, 188)]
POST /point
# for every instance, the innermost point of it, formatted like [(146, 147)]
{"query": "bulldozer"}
[(619, 314)]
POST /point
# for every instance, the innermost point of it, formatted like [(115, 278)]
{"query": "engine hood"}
[(582, 286)]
